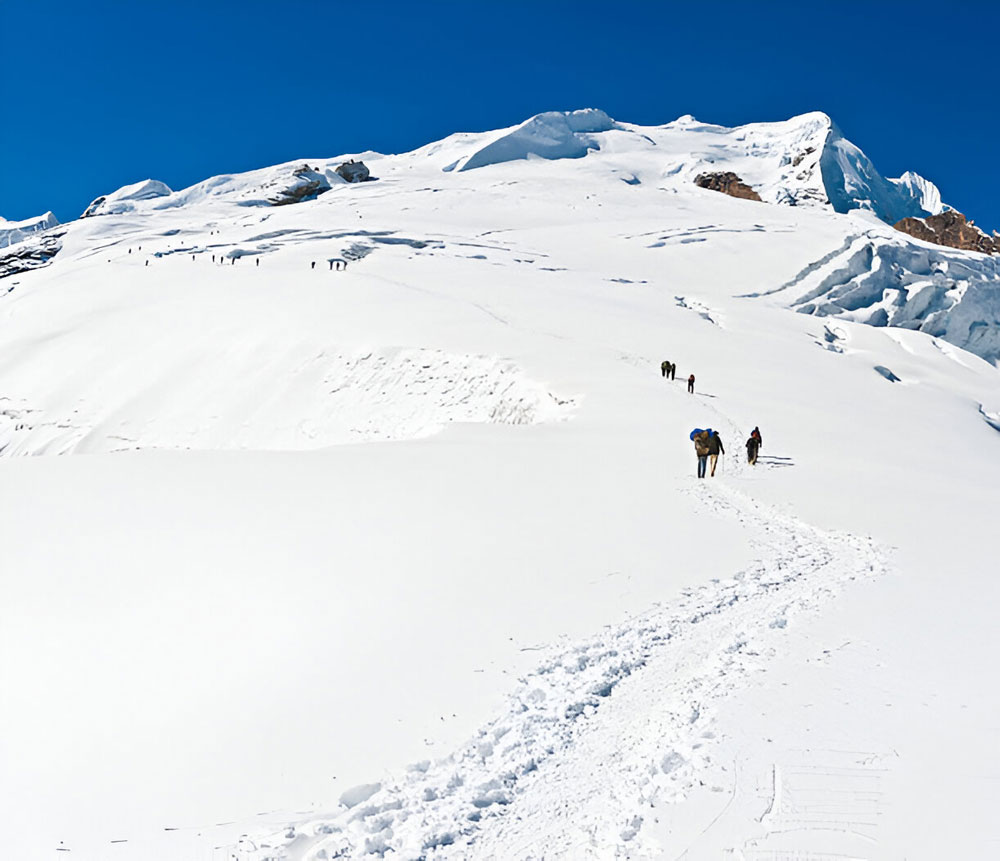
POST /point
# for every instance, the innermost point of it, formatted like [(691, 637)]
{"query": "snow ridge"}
[(504, 794), (550, 135)]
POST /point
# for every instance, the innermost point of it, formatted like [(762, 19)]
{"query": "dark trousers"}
[(702, 463)]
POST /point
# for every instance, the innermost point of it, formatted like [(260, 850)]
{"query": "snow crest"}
[(125, 198), (551, 135), (852, 182)]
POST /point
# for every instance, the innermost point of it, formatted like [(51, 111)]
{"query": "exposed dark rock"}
[(354, 171), (728, 183), (952, 230), (94, 208), (799, 158), (30, 254)]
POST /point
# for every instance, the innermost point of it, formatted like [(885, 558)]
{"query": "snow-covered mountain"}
[(387, 540)]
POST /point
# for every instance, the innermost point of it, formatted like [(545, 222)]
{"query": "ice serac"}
[(551, 135), (12, 232), (125, 198), (921, 191), (852, 182), (952, 295)]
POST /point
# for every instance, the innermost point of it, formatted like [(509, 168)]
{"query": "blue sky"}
[(100, 94)]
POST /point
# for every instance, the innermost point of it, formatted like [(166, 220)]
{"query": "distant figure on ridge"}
[(664, 368), (691, 384), (752, 448), (673, 371)]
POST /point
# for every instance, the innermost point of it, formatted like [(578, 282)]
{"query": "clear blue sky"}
[(98, 94)]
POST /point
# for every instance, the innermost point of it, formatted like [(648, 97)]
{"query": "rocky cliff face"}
[(950, 229), (728, 183)]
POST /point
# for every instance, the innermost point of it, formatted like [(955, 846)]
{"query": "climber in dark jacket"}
[(715, 448), (701, 449)]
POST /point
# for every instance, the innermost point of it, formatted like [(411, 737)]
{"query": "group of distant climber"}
[(337, 264), (707, 442), (669, 371)]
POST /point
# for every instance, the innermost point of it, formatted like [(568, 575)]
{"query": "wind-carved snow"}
[(882, 281), (12, 232), (328, 399), (922, 192), (125, 198), (550, 135), (601, 729)]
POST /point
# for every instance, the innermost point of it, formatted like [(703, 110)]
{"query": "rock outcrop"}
[(308, 183), (354, 171), (952, 230), (32, 253), (728, 183)]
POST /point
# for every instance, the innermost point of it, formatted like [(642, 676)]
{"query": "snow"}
[(409, 559), (124, 199), (549, 135), (852, 182), (12, 232), (923, 192)]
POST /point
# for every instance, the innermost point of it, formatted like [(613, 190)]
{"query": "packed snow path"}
[(625, 718)]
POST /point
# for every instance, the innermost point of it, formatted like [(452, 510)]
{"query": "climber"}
[(701, 448), (715, 448)]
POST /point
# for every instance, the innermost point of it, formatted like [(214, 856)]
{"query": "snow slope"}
[(409, 560)]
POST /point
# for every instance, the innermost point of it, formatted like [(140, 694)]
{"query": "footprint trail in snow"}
[(604, 728)]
